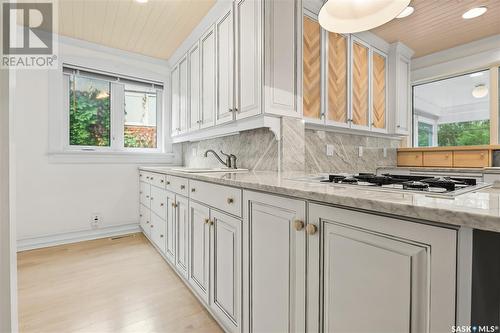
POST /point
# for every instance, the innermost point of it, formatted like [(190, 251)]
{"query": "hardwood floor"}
[(120, 285)]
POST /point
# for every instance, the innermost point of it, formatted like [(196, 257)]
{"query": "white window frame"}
[(117, 104)]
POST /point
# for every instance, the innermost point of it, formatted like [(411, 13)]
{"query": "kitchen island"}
[(266, 251)]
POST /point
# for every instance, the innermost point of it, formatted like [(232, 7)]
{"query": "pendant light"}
[(349, 16)]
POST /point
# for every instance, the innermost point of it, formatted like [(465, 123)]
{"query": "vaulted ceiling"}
[(155, 28), (438, 25)]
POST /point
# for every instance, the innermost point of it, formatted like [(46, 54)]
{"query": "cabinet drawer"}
[(144, 217), (409, 158), (157, 179), (218, 196), (177, 184), (438, 159), (471, 159), (158, 198), (146, 177), (144, 193)]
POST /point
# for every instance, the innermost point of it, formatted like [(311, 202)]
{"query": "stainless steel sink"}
[(207, 170)]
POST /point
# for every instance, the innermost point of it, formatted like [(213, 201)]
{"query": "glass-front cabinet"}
[(345, 79)]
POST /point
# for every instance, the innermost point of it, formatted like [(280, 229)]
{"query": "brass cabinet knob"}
[(207, 221), (161, 236), (152, 198), (230, 200), (152, 225), (311, 229), (162, 181), (210, 222), (168, 183), (299, 225), (140, 215), (161, 205), (147, 196), (174, 204), (147, 222), (151, 178), (183, 187), (193, 190)]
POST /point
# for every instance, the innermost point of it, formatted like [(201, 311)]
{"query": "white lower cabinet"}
[(199, 254), (158, 227), (369, 273), (181, 235), (275, 263), (226, 270), (293, 266)]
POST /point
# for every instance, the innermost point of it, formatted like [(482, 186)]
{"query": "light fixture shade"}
[(480, 91), (349, 16)]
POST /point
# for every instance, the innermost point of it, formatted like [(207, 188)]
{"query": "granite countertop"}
[(479, 210)]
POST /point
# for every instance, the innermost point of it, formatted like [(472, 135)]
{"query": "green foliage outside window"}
[(424, 134), (90, 114), (464, 134)]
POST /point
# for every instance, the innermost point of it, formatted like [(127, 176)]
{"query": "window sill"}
[(93, 157)]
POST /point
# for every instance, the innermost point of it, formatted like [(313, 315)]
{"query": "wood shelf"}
[(452, 157)]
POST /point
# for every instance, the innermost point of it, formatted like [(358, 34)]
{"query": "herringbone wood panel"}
[(360, 85), (312, 69), (378, 111), (337, 77)]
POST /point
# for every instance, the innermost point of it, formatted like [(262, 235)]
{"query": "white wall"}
[(55, 200)]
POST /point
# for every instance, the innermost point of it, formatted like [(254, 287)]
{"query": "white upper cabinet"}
[(207, 79), (233, 64), (183, 95), (175, 101), (224, 78), (248, 75), (194, 87)]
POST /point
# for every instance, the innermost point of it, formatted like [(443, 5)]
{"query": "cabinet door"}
[(360, 115), (312, 70), (158, 201), (379, 91), (170, 226), (276, 244), (158, 231), (207, 48), (248, 77), (182, 235), (144, 218), (225, 57), (363, 259), (337, 102), (194, 87), (225, 299), (144, 194), (199, 248), (175, 100), (183, 95), (403, 109)]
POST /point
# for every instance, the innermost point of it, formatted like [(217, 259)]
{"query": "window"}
[(107, 112), (453, 111)]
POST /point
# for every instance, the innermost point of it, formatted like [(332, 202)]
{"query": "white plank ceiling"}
[(155, 28), (438, 25)]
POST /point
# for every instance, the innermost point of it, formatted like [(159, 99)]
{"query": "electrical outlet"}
[(360, 151), (330, 150), (95, 220)]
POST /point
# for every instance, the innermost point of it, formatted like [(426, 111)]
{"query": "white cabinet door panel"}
[(175, 101), (144, 217), (182, 235), (226, 270), (248, 33), (183, 95), (158, 198), (158, 231), (378, 274), (170, 226), (194, 87), (207, 48), (277, 262), (199, 244), (225, 58)]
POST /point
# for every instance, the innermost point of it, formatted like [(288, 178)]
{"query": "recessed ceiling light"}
[(474, 12), (141, 1), (406, 12), (480, 91), (476, 74)]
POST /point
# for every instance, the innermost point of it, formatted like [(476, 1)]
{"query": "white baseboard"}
[(74, 237)]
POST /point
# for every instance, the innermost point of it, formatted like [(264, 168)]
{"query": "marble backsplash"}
[(299, 150), (346, 148)]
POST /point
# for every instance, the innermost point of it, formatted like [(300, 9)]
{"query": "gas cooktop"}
[(439, 185)]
